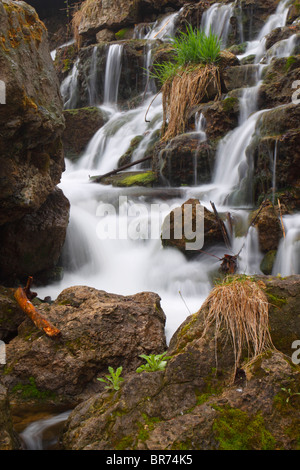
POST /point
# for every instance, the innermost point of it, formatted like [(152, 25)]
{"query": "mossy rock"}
[(128, 179), (267, 263)]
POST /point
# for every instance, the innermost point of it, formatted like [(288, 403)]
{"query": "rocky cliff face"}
[(31, 125)]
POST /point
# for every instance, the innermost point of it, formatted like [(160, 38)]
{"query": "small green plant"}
[(154, 362), (190, 49), (113, 380), (290, 393)]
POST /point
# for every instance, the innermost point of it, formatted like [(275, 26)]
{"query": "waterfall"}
[(276, 20), (126, 265), (287, 261), (217, 20), (32, 436), (68, 89), (92, 82), (163, 29), (113, 73), (274, 171)]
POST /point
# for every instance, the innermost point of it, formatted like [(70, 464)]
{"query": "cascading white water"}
[(276, 20), (92, 82), (68, 88), (127, 266), (288, 256), (113, 73), (217, 20), (32, 436)]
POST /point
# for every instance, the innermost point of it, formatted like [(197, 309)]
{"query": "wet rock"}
[(240, 77), (220, 117), (128, 179), (192, 404), (98, 330), (31, 154), (254, 15), (11, 316), (268, 227), (171, 225), (39, 247), (31, 121), (277, 134), (277, 88), (185, 160), (89, 120), (8, 438), (280, 34)]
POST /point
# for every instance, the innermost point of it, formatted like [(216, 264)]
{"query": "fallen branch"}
[(222, 226), (30, 310), (97, 179)]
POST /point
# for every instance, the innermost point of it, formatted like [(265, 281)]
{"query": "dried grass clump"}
[(240, 308), (183, 92)]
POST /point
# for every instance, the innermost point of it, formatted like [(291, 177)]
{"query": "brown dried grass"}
[(241, 309), (183, 92)]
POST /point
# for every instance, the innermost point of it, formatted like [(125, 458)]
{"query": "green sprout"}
[(290, 393), (154, 362), (113, 380)]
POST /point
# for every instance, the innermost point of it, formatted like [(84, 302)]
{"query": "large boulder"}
[(31, 126), (37, 251), (31, 120), (194, 404), (88, 120), (185, 160), (98, 330), (176, 219)]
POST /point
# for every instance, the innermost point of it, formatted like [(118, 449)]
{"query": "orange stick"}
[(30, 310)]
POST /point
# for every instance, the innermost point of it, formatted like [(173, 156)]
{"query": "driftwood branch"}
[(222, 226), (22, 296), (97, 179)]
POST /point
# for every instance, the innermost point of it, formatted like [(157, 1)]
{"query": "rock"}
[(8, 437), (277, 133), (185, 160), (127, 179), (280, 34), (39, 247), (278, 78), (127, 156), (212, 232), (89, 120), (254, 16), (240, 77), (11, 315), (220, 117), (98, 330), (268, 227), (31, 121), (267, 263), (193, 404), (95, 16)]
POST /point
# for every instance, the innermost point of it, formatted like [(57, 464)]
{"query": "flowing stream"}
[(128, 264), (106, 252)]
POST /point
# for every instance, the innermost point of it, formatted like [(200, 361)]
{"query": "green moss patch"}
[(235, 430)]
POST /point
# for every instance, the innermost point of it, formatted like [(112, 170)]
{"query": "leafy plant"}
[(113, 380), (290, 393), (154, 362)]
